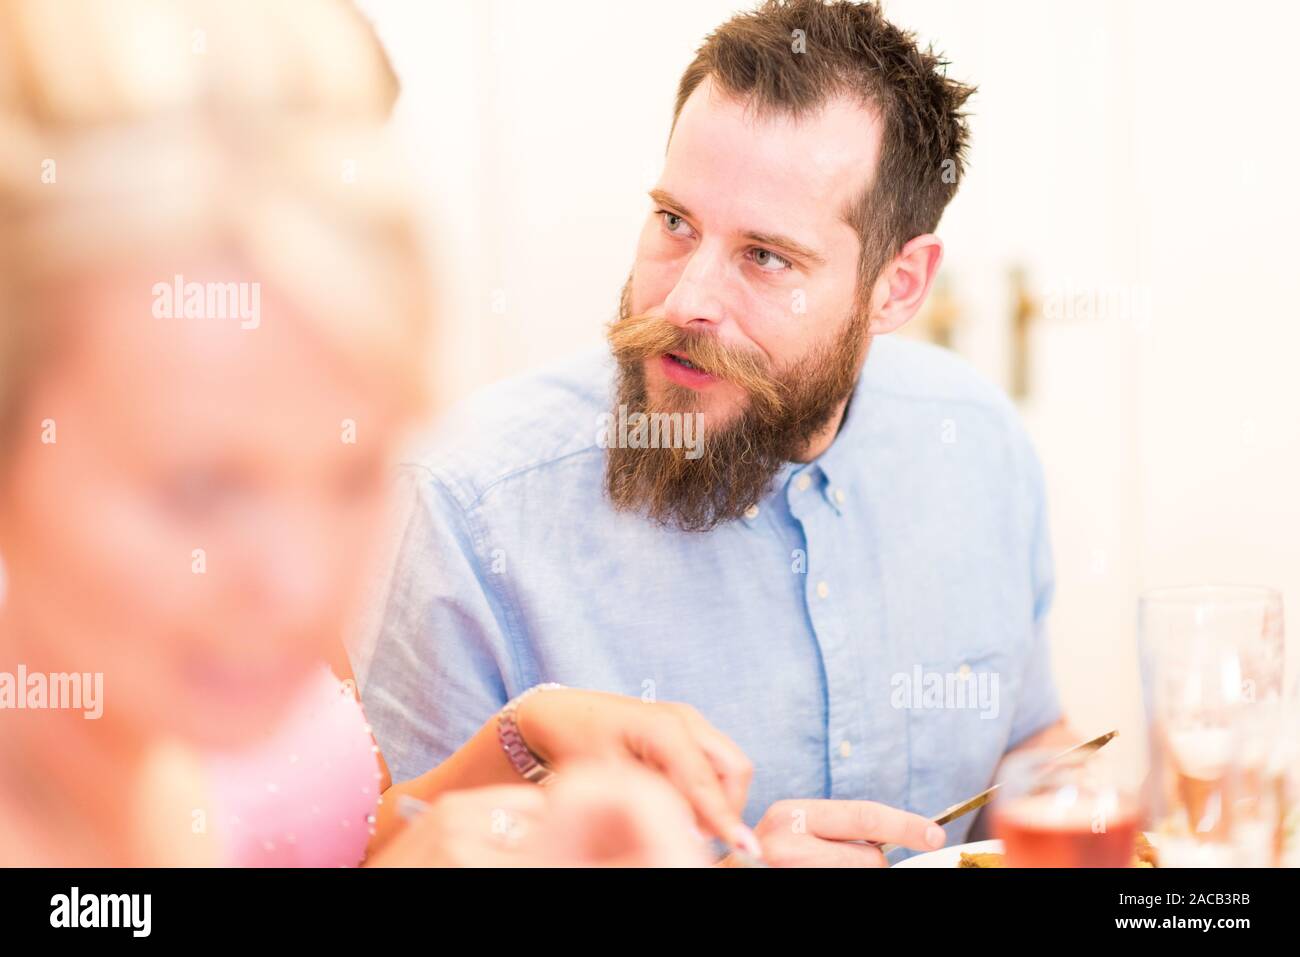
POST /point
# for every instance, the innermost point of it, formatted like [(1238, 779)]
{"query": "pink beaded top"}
[(306, 795)]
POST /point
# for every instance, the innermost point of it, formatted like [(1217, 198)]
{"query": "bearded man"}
[(850, 573)]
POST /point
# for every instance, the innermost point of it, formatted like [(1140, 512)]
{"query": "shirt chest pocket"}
[(959, 713)]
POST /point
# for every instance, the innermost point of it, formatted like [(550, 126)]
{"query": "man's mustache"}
[(633, 338)]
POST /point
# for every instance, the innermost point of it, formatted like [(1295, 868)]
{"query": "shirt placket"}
[(865, 737)]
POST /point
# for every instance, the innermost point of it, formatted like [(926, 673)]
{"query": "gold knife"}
[(979, 800)]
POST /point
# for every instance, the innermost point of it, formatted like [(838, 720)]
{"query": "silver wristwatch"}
[(522, 758)]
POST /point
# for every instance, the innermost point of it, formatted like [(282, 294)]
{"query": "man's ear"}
[(902, 286)]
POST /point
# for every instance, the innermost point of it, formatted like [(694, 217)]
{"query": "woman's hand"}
[(615, 815), (706, 767)]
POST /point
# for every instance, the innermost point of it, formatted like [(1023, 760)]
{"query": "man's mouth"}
[(683, 371)]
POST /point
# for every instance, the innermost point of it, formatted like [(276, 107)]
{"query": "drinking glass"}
[(1051, 811), (1212, 671)]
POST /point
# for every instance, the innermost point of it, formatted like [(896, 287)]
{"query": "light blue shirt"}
[(873, 629)]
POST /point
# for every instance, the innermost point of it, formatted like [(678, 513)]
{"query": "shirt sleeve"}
[(1038, 706), (438, 656)]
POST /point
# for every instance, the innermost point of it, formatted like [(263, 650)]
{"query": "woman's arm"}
[(606, 815), (565, 725), (480, 762)]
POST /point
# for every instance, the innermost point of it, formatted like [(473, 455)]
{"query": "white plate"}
[(949, 856)]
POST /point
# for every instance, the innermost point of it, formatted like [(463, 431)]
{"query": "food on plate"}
[(1144, 855), (989, 859), (1144, 852)]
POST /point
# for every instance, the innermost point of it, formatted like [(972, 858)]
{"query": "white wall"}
[(539, 133), (1218, 160)]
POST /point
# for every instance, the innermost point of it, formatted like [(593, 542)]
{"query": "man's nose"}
[(696, 301)]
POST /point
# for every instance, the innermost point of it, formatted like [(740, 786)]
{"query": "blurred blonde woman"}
[(211, 322)]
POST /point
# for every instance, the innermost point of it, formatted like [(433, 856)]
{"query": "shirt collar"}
[(835, 464), (829, 473)]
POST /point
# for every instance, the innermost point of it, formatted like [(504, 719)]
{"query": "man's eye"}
[(674, 223), (769, 261)]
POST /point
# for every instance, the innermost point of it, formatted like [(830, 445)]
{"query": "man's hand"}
[(817, 833)]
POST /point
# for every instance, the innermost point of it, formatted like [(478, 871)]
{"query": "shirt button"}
[(839, 496), (802, 483), (823, 589), (751, 513), (846, 749), (964, 670)]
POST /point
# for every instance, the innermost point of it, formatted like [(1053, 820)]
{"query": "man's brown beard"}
[(786, 410)]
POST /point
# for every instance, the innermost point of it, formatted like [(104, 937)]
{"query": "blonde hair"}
[(142, 129)]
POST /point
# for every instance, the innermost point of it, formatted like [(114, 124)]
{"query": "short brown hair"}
[(845, 48)]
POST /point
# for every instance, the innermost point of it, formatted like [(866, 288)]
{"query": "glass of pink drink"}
[(1054, 813)]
